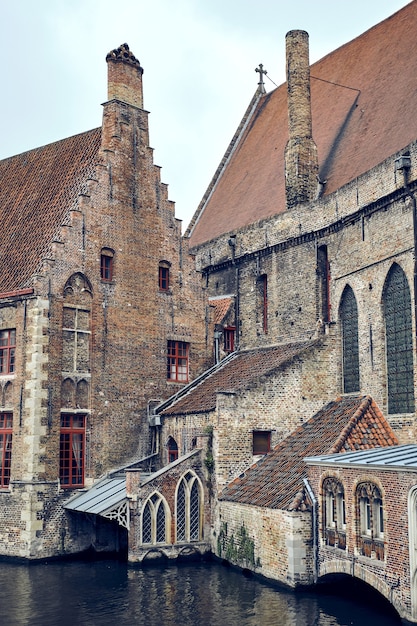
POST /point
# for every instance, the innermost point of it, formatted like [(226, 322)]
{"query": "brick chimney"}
[(124, 74), (301, 161)]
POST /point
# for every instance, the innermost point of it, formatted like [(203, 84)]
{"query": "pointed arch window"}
[(334, 513), (350, 341), (323, 273), (189, 508), (155, 520), (172, 450), (371, 521), (399, 342)]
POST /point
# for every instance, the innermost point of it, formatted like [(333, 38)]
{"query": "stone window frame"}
[(334, 512), (348, 315), (6, 441), (158, 531), (397, 311), (7, 351), (189, 501), (370, 520)]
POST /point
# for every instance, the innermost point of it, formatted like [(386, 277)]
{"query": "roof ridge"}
[(353, 421)]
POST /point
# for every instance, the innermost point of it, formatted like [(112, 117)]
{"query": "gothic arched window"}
[(155, 526), (350, 342), (370, 522), (334, 513), (189, 508), (399, 342)]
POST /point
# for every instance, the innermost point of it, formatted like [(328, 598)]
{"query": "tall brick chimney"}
[(301, 161), (124, 74)]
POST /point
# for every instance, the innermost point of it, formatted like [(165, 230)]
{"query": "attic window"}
[(261, 441)]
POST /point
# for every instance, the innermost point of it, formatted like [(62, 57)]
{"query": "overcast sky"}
[(199, 59)]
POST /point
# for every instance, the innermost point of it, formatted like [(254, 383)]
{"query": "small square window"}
[(261, 441)]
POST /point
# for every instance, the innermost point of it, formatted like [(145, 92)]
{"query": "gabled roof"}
[(221, 307), (37, 190), (235, 373), (363, 107), (277, 479)]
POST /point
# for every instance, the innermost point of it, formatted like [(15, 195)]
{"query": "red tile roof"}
[(37, 190), (363, 106), (235, 373), (276, 481), (221, 307)]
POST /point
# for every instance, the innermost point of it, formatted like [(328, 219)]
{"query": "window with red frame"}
[(7, 351), (72, 450), (163, 278), (6, 433), (172, 450), (229, 339), (177, 361), (261, 441), (106, 265)]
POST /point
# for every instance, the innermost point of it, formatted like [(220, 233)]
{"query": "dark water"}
[(110, 593)]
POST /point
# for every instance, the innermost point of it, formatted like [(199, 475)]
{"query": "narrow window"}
[(177, 361), (188, 509), (106, 264), (72, 450), (399, 342), (164, 276), (350, 341), (323, 273), (7, 351), (262, 304), (261, 441), (229, 339), (6, 434), (371, 521), (334, 512), (172, 450)]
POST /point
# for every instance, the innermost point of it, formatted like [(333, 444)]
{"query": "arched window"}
[(189, 508), (107, 264), (399, 342), (164, 282), (155, 520), (172, 450), (334, 513), (370, 523), (350, 342)]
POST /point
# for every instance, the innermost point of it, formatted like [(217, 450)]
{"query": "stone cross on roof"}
[(261, 72)]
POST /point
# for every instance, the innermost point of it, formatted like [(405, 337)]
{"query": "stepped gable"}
[(363, 110), (37, 190), (235, 373), (276, 481)]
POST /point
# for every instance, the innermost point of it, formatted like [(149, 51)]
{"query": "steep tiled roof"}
[(346, 424), (221, 307), (363, 107), (37, 189), (238, 372)]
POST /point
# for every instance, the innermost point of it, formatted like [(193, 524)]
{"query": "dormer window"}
[(106, 264)]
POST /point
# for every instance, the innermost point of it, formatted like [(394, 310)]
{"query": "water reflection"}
[(109, 592)]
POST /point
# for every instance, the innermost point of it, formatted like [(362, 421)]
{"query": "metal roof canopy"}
[(106, 498), (388, 458)]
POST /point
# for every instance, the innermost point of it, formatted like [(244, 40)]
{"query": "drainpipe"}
[(314, 530), (403, 164)]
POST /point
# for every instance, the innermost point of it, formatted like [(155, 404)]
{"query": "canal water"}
[(111, 593)]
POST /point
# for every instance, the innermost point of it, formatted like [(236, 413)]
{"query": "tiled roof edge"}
[(364, 406)]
